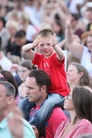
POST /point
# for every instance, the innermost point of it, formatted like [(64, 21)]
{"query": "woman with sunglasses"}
[(79, 104)]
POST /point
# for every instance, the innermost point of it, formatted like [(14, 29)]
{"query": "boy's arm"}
[(27, 49), (57, 48)]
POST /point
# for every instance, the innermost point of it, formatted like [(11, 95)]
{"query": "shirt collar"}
[(4, 123)]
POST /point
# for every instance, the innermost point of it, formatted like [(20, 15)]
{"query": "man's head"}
[(37, 85), (7, 94), (45, 39), (20, 37)]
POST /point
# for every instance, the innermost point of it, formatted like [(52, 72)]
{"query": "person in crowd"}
[(3, 33), (77, 25), (51, 60), (4, 61), (20, 40), (37, 84), (58, 28), (86, 12), (12, 27), (7, 76), (79, 104), (7, 104), (77, 75), (24, 69), (83, 53), (26, 25)]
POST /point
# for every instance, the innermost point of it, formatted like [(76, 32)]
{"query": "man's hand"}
[(15, 124)]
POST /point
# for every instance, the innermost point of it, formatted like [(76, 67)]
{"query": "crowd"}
[(46, 69)]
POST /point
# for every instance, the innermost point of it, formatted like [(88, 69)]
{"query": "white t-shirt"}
[(30, 32), (85, 60), (5, 63)]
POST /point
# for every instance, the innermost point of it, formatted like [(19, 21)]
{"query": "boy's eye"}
[(41, 44), (48, 44)]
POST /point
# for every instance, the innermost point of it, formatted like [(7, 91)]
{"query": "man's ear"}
[(43, 88), (10, 99)]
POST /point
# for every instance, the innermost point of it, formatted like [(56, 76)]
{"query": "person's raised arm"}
[(15, 124), (27, 49), (62, 43), (73, 45), (57, 48)]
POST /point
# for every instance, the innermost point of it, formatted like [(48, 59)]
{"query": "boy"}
[(51, 60)]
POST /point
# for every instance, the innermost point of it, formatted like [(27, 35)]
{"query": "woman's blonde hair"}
[(11, 23)]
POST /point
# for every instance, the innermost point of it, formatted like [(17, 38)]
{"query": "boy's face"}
[(45, 46)]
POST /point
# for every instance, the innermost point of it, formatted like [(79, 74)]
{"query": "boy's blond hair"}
[(45, 33)]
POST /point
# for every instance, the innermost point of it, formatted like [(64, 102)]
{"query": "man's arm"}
[(73, 45), (27, 49)]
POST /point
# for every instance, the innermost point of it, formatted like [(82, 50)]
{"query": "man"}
[(20, 40), (5, 63), (7, 105), (37, 85)]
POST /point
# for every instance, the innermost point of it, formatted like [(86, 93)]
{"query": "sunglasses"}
[(69, 97), (2, 79)]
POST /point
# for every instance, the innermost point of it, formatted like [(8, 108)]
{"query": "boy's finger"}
[(54, 35)]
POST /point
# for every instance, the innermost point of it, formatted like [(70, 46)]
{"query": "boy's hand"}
[(35, 43), (53, 40)]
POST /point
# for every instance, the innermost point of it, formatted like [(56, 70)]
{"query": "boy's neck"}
[(49, 55)]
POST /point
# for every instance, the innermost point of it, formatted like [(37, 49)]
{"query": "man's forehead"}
[(30, 79)]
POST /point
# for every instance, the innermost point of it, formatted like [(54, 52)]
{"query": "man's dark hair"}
[(41, 77), (20, 34)]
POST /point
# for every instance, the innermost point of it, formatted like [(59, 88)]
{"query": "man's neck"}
[(2, 116), (41, 101)]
